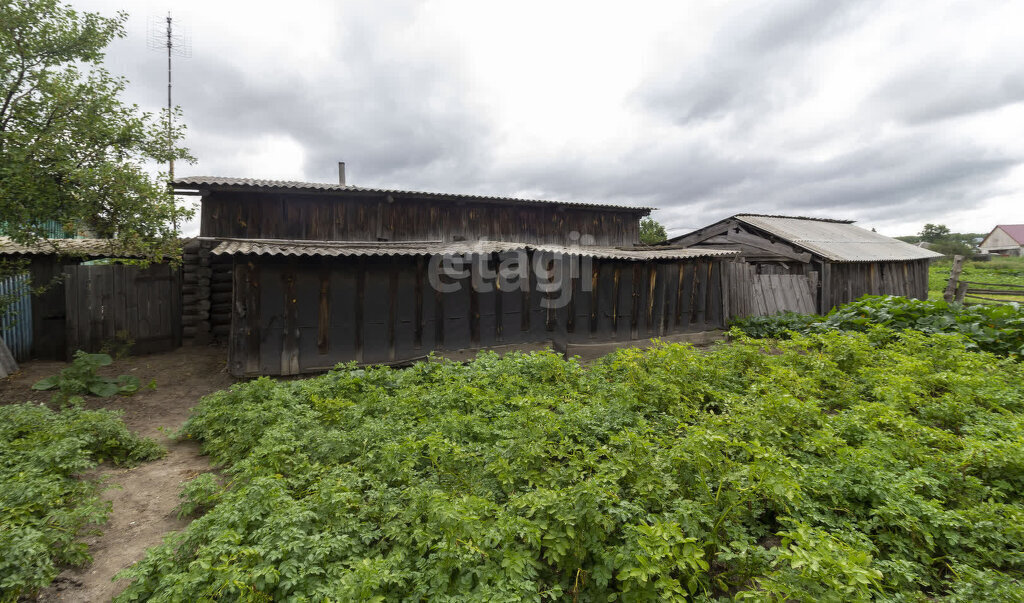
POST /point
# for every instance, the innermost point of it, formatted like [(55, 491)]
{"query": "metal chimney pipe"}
[(341, 173)]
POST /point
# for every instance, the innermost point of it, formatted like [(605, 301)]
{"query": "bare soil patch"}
[(144, 498)]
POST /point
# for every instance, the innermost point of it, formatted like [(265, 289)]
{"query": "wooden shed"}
[(810, 265), (298, 277)]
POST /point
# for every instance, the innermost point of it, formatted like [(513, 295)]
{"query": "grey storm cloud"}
[(879, 183), (756, 68), (409, 119), (750, 64), (941, 90), (388, 116)]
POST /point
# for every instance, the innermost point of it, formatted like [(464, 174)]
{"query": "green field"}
[(997, 270), (835, 466)]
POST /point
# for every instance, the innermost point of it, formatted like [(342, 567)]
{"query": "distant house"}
[(810, 265), (1005, 239)]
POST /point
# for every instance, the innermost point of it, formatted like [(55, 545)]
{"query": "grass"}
[(1009, 271)]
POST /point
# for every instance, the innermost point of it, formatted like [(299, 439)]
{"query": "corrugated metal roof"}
[(355, 249), (255, 183), (1016, 231), (96, 248), (837, 241)]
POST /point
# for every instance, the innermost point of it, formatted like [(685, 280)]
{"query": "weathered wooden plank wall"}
[(299, 317), (372, 218), (849, 281), (49, 340), (754, 291), (110, 302)]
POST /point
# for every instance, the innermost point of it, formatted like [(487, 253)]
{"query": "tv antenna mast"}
[(161, 36)]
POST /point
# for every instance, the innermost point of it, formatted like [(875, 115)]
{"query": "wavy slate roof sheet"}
[(96, 248), (355, 249), (254, 183), (838, 241)]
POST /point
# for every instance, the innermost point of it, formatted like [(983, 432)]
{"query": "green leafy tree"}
[(951, 246), (933, 233), (71, 150), (651, 232), (945, 242)]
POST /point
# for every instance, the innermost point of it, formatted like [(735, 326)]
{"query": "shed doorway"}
[(753, 294)]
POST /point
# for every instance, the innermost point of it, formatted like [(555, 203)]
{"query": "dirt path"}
[(144, 498)]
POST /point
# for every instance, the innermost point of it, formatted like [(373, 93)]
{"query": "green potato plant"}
[(46, 506), (993, 328), (834, 466)]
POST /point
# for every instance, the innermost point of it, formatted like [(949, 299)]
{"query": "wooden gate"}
[(752, 294), (117, 303)]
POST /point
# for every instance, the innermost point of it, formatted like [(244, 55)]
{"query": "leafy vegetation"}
[(945, 242), (80, 378), (998, 329), (837, 466), (72, 152), (44, 502), (652, 232)]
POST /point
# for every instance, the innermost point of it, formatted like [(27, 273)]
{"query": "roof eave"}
[(188, 186)]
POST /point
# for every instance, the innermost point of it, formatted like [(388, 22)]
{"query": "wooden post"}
[(954, 277), (392, 308), (323, 338), (961, 291), (594, 296), (290, 343), (360, 307), (725, 276), (826, 287), (616, 275), (652, 283), (418, 294)]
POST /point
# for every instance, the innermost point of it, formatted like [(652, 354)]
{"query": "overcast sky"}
[(893, 114)]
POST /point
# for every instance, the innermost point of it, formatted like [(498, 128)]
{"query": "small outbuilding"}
[(297, 277), (1005, 239), (810, 265)]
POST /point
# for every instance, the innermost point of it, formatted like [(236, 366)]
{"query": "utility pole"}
[(180, 45), (162, 37), (170, 124)]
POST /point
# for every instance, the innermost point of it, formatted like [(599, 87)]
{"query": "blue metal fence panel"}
[(16, 322)]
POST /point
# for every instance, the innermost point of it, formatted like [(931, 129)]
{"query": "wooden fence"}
[(978, 292), (117, 303)]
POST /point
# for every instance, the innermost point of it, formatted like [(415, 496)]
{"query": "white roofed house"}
[(810, 265)]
